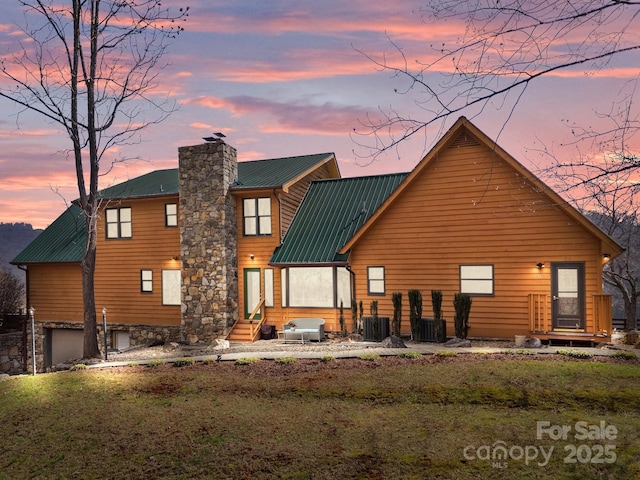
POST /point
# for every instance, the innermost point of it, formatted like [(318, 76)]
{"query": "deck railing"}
[(602, 315), (539, 318), (540, 314)]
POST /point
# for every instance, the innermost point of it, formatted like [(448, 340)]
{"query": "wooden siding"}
[(283, 208), (470, 207), (55, 291), (153, 246)]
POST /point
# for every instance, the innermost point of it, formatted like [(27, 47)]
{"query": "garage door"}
[(66, 344)]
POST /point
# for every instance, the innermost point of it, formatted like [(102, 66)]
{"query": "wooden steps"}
[(242, 332)]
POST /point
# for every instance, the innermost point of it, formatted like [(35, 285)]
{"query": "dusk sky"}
[(282, 78)]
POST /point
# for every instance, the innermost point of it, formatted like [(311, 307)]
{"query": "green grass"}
[(390, 418)]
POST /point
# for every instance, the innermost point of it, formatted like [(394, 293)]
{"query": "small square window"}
[(171, 215), (375, 280), (146, 281)]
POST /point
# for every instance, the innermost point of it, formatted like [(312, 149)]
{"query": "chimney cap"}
[(218, 136)]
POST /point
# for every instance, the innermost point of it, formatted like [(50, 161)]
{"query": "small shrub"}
[(524, 351), (410, 355), (132, 364), (624, 355), (415, 313), (156, 363), (247, 361), (77, 367), (369, 357), (574, 353), (285, 360), (446, 353), (328, 358), (462, 305), (183, 362), (209, 361)]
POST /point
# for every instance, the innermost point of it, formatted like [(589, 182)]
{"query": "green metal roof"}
[(330, 214), (277, 171), (160, 182), (270, 173), (62, 241)]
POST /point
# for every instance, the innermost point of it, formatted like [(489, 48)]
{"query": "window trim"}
[(146, 281), (118, 223), (256, 217), (482, 280), (167, 215), (370, 291)]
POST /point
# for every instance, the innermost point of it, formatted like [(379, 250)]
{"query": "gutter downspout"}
[(24, 324), (277, 195)]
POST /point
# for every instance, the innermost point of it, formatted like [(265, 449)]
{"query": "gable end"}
[(464, 140)]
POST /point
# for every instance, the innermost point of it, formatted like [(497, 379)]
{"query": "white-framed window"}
[(311, 287), (171, 215), (171, 287), (256, 216), (316, 287), (476, 279), (118, 222), (284, 287), (268, 287), (375, 281), (146, 281)]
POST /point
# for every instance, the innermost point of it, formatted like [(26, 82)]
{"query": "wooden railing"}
[(540, 320), (255, 330), (539, 313), (602, 315)]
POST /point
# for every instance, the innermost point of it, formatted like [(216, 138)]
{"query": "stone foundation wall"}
[(12, 353), (139, 335)]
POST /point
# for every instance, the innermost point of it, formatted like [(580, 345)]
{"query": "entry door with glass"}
[(568, 297)]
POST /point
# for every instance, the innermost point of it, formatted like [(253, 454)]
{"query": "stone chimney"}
[(208, 240)]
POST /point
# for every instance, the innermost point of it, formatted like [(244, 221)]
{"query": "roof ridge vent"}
[(464, 140)]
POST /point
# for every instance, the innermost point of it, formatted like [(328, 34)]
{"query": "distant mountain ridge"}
[(14, 237)]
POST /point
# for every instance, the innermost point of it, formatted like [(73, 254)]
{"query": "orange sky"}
[(283, 79)]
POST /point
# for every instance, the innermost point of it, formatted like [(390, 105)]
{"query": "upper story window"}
[(171, 215), (118, 222), (256, 215)]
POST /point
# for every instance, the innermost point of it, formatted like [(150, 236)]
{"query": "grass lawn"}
[(432, 417)]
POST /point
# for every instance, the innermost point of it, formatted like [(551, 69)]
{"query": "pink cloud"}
[(298, 117)]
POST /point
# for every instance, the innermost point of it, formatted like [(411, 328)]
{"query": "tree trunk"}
[(631, 312), (90, 349)]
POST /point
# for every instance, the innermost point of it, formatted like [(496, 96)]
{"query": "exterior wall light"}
[(252, 256), (606, 257), (540, 265)]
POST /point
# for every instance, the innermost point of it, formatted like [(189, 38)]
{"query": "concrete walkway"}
[(367, 349)]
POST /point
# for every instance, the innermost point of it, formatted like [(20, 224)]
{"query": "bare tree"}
[(606, 186), (502, 47), (90, 66), (11, 292)]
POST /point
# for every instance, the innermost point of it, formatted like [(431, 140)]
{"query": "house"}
[(215, 248)]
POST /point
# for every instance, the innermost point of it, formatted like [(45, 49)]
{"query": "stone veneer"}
[(208, 237), (139, 335), (12, 353)]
